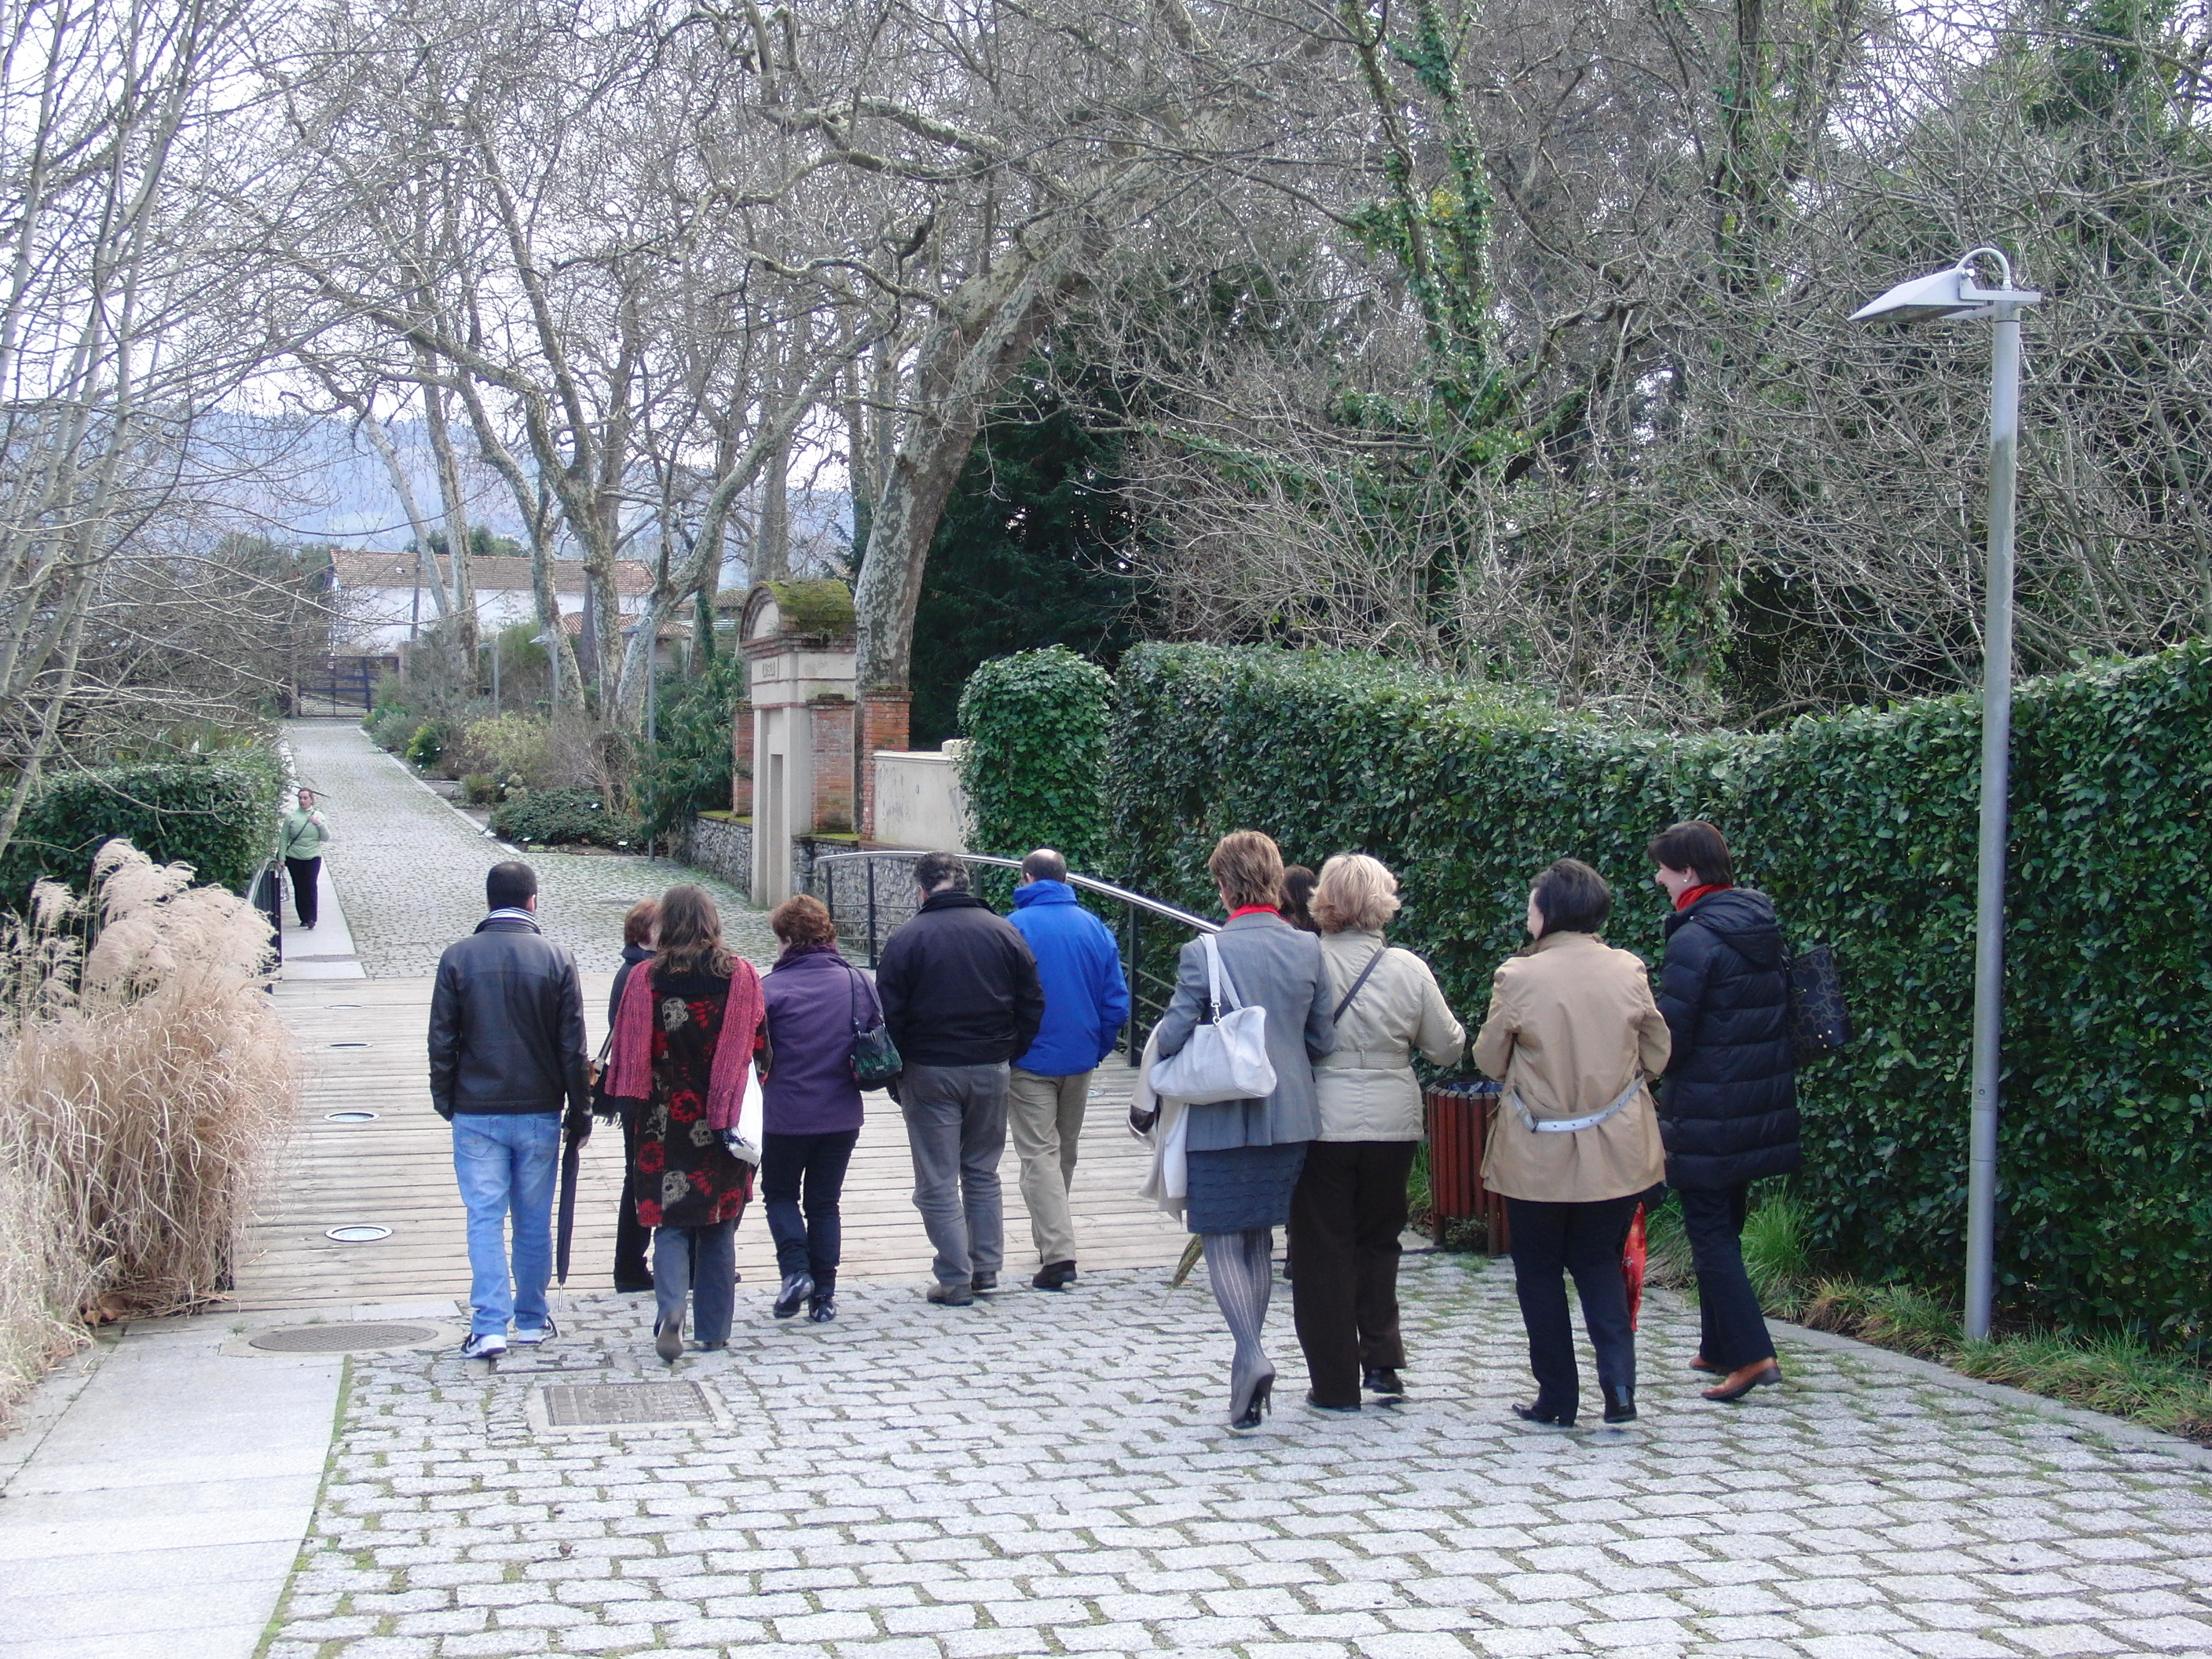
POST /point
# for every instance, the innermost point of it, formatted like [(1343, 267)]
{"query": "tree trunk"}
[(965, 363)]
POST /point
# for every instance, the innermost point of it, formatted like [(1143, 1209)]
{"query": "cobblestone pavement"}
[(408, 868), (1049, 1474)]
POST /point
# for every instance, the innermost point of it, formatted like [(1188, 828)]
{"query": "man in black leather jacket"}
[(507, 1054)]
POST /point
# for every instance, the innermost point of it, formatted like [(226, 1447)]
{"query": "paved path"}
[(408, 867), (1048, 1474)]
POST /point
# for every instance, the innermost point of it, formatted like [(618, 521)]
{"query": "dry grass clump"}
[(145, 1079)]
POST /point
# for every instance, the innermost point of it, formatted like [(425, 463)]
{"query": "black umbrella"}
[(565, 1226)]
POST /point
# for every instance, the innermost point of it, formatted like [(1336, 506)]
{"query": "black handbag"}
[(875, 1059), (1819, 1022)]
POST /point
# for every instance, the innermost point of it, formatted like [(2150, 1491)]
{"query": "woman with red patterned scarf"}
[(685, 1036)]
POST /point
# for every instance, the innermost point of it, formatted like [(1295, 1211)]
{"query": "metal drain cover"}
[(342, 1339), (350, 1117), (358, 1235), (581, 1404)]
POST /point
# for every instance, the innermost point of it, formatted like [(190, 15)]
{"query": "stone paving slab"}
[(409, 867), (1048, 1474)]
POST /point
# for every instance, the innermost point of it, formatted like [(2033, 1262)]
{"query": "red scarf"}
[(1255, 910), (629, 1061), (1692, 895)]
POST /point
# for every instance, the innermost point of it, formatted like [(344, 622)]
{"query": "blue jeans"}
[(809, 1232), (703, 1262), (506, 1163)]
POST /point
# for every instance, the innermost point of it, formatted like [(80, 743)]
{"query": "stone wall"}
[(722, 847)]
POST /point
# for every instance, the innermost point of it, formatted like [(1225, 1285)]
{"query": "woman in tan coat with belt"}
[(1574, 1035)]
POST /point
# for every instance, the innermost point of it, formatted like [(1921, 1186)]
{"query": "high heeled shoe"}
[(1619, 1405), (668, 1338), (1537, 1412), (1765, 1377), (1255, 1403)]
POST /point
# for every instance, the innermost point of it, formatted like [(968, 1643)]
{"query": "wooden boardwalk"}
[(362, 1043)]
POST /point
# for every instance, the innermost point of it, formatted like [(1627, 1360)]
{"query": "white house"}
[(382, 604)]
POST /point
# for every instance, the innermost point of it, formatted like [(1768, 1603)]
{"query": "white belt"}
[(1567, 1126)]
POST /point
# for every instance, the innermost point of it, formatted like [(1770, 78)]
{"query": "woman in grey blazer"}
[(1245, 1155)]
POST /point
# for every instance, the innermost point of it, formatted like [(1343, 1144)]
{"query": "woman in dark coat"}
[(632, 1270), (684, 1042), (811, 1106), (1728, 1108), (1245, 1155)]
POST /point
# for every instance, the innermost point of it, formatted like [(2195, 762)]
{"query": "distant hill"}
[(318, 480)]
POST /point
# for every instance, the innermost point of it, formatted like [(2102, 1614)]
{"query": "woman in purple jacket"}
[(810, 1104)]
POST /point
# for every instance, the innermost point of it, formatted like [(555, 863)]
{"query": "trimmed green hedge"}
[(1861, 826), (218, 814), (1036, 725)]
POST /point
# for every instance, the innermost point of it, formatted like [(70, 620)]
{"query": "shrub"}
[(688, 768), (427, 749), (1862, 827), (1034, 770), (565, 818), (513, 751), (217, 814), (142, 1085), (390, 729)]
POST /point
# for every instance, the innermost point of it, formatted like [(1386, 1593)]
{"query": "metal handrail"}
[(1135, 907)]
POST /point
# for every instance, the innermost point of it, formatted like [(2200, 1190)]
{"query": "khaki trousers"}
[(1044, 1117)]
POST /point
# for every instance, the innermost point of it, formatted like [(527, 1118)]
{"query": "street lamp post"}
[(1955, 295)]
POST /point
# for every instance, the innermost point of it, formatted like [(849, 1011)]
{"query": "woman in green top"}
[(305, 836)]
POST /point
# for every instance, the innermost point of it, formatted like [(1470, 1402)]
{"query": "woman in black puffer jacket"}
[(1728, 1108)]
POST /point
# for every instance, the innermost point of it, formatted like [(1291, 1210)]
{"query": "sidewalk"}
[(157, 1497)]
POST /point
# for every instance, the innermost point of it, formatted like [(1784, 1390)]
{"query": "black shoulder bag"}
[(875, 1059)]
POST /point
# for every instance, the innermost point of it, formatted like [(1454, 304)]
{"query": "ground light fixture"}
[(1957, 295)]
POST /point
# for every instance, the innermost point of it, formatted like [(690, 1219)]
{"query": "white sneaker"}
[(531, 1339), (484, 1348)]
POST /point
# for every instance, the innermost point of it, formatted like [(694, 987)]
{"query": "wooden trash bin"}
[(1459, 1117)]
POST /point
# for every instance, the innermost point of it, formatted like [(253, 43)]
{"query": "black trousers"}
[(633, 1272), (1585, 1239), (802, 1178), (1732, 1331), (1346, 1212), (307, 875)]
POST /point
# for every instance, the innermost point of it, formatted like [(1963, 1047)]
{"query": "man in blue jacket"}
[(1086, 1001)]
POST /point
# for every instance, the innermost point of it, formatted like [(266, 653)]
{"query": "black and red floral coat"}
[(684, 1177)]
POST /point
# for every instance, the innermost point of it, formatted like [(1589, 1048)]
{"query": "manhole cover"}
[(578, 1404), (358, 1235), (350, 1117), (342, 1338)]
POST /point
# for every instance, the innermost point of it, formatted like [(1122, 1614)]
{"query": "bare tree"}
[(110, 357)]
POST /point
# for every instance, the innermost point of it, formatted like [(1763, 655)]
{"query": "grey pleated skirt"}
[(1242, 1187)]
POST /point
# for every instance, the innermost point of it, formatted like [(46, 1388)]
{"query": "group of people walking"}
[(720, 1076)]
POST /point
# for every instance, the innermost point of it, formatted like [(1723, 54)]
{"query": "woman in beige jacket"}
[(1573, 1033), (1350, 1204)]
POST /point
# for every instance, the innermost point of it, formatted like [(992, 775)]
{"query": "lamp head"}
[(1951, 295)]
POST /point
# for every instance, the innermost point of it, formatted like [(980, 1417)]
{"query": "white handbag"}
[(742, 1139), (1225, 1059)]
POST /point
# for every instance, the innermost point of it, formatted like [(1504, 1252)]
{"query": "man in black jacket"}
[(507, 1056), (961, 998), (1728, 1106)]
